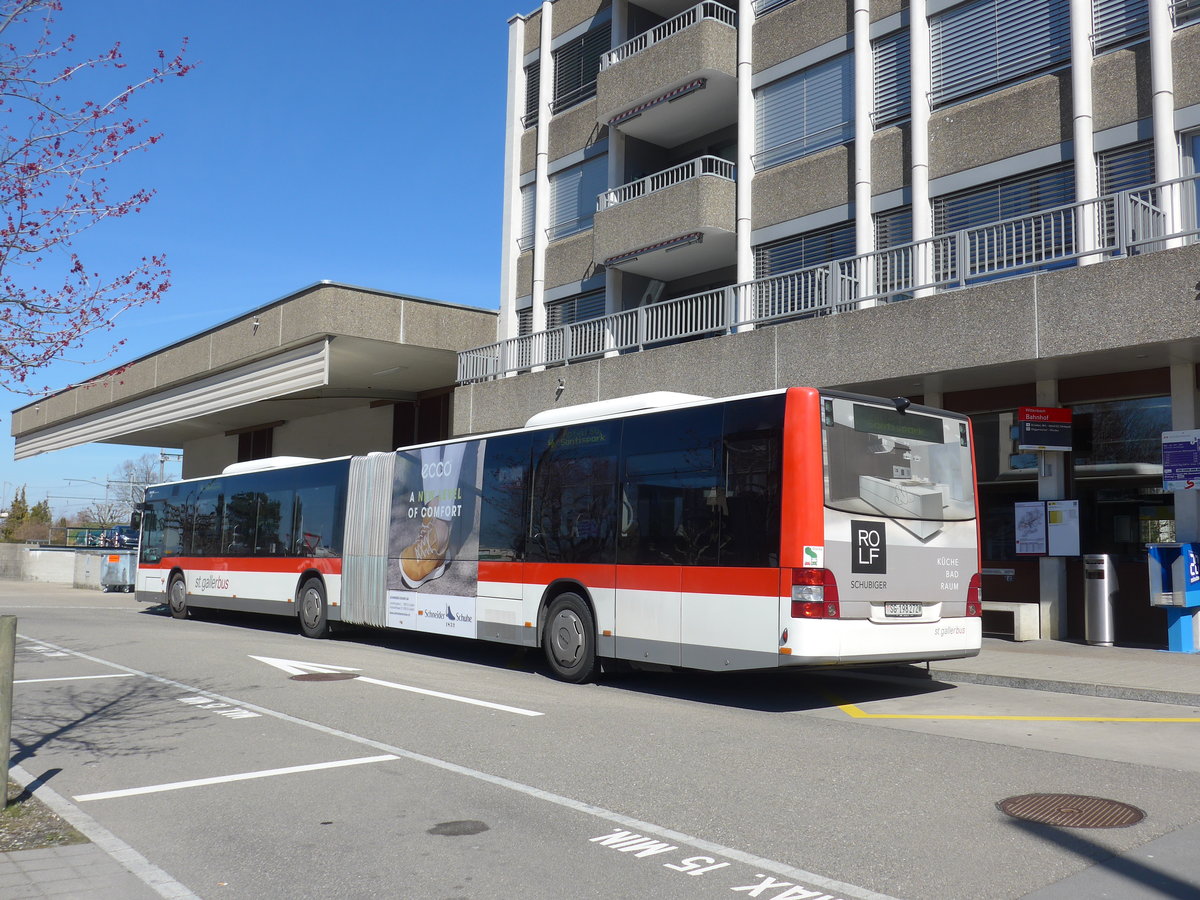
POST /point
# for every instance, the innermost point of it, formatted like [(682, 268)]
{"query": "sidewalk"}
[(1123, 673)]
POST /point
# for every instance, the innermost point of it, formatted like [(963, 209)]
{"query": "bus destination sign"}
[(1043, 428)]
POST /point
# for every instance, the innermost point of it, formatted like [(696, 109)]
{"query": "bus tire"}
[(311, 609), (177, 597), (569, 639)]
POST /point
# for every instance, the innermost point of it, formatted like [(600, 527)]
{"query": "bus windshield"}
[(903, 465)]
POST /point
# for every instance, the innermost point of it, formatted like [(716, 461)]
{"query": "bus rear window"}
[(910, 465)]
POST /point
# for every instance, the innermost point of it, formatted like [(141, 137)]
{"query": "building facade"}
[(982, 205)]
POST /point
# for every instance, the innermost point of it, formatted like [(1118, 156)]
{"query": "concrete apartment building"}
[(980, 205)]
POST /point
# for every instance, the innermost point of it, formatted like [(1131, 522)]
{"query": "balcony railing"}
[(694, 168), (686, 19), (1133, 222)]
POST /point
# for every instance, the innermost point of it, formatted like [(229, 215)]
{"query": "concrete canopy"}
[(321, 349)]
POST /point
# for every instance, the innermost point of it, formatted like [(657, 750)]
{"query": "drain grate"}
[(1071, 811), (324, 676)]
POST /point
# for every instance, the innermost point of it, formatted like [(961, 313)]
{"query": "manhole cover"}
[(1071, 811), (459, 829), (324, 676)]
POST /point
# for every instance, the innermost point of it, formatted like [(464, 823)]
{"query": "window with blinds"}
[(1185, 12), (576, 64), (533, 75), (893, 271), (892, 84), (986, 44), (803, 250), (573, 196), (804, 113), (1004, 199), (528, 196), (1125, 168), (579, 308), (1118, 22), (765, 6), (524, 321), (1033, 246)]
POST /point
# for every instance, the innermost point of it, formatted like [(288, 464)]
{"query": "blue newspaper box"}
[(1175, 586)]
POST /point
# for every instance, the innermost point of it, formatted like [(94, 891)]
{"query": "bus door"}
[(571, 538)]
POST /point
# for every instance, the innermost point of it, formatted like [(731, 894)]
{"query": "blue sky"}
[(361, 141)]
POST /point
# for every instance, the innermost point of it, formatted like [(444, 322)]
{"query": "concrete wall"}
[(706, 202), (78, 568), (708, 45)]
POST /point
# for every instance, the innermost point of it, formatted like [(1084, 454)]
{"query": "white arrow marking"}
[(295, 667)]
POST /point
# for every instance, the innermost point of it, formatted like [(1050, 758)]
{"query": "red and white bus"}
[(796, 527)]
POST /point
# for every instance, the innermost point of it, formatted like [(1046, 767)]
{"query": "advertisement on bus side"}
[(433, 568)]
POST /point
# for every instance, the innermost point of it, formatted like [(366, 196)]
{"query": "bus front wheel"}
[(177, 597), (570, 639), (314, 619)]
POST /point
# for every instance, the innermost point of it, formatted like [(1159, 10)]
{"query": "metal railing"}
[(694, 168), (1128, 223), (709, 9)]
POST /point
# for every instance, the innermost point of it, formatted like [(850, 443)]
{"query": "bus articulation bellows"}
[(797, 527)]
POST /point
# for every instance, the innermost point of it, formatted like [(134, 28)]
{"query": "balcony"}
[(676, 222), (675, 82), (1143, 220)]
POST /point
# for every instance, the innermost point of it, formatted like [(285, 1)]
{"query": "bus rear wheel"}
[(311, 608), (570, 639), (177, 597)]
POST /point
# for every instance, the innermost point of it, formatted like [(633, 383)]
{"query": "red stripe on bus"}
[(690, 579), (268, 564), (803, 477)]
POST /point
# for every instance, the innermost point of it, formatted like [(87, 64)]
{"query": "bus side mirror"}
[(135, 518)]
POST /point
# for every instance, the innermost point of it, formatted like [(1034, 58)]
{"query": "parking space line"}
[(855, 713), (224, 779), (455, 697), (72, 678), (761, 863)]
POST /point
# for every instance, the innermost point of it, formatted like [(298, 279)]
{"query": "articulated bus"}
[(796, 527)]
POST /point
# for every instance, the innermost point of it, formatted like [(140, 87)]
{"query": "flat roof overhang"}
[(325, 348)]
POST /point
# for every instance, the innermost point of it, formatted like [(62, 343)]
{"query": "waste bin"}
[(1099, 596), (116, 572)]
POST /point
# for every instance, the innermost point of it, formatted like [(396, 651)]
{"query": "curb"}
[(1110, 691)]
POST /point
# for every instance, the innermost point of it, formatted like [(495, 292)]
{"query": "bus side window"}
[(206, 522), (753, 475), (505, 498), (672, 498), (573, 504)]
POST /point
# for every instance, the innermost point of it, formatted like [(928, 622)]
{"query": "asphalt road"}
[(451, 769)]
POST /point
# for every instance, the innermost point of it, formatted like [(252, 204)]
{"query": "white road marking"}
[(224, 779), (454, 697), (759, 862), (157, 880), (295, 667), (72, 678)]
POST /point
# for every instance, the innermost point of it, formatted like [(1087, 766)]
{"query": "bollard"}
[(8, 652)]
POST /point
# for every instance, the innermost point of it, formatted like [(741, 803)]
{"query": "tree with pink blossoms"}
[(55, 154)]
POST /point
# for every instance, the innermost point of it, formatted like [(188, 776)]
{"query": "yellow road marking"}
[(855, 713)]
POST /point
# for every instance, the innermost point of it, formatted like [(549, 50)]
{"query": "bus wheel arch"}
[(312, 607), (177, 602), (568, 633)]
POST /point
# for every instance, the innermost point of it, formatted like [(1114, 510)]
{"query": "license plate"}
[(900, 609)]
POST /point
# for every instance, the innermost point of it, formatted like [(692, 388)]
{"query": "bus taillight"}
[(975, 596), (814, 594)]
